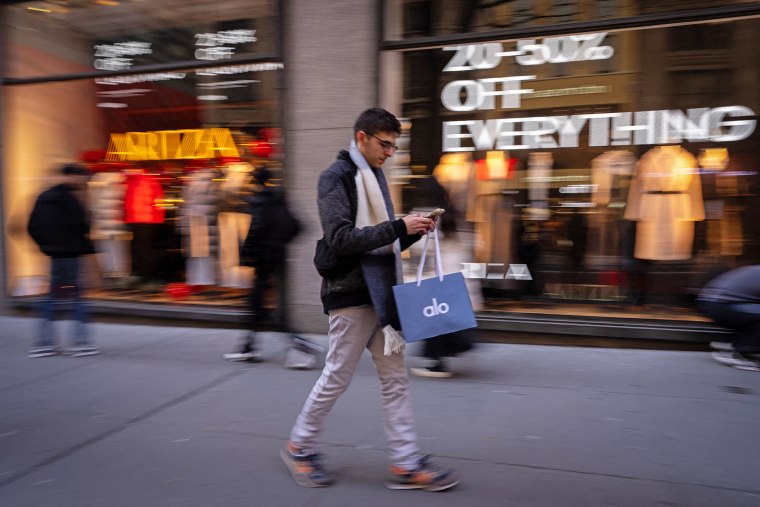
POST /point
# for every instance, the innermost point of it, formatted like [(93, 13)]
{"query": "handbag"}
[(434, 306)]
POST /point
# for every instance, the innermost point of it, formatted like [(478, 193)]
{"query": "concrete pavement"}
[(159, 419)]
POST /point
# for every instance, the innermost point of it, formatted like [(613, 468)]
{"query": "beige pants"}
[(351, 331)]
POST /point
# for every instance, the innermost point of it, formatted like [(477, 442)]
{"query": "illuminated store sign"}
[(171, 145), (608, 129), (113, 56), (574, 48), (141, 78), (208, 47), (720, 124), (216, 46)]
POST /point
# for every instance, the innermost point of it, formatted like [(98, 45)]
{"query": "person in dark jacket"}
[(359, 226), (60, 227), (732, 300), (272, 228)]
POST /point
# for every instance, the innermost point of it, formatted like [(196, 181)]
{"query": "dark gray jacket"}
[(337, 202)]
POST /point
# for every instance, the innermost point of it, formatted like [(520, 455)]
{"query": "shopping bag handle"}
[(438, 264)]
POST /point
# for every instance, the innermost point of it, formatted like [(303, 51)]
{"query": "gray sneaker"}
[(736, 360), (43, 352), (438, 370), (306, 467), (83, 350), (299, 359), (425, 476), (251, 356), (722, 346)]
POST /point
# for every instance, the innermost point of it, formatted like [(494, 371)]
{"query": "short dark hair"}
[(75, 169), (262, 175), (376, 120)]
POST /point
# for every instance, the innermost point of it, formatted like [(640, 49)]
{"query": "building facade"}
[(597, 160)]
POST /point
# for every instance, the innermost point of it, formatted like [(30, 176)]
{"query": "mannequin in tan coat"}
[(665, 199)]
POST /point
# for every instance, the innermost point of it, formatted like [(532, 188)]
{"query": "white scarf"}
[(372, 210)]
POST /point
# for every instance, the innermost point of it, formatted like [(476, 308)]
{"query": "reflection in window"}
[(417, 19), (695, 88), (605, 8), (700, 37), (522, 12), (564, 10)]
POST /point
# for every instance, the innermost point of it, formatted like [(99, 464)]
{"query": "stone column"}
[(330, 76)]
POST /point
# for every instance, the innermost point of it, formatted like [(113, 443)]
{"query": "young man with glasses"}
[(359, 227)]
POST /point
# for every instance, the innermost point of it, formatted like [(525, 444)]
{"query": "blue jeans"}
[(65, 291)]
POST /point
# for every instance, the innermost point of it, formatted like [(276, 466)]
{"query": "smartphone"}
[(435, 213)]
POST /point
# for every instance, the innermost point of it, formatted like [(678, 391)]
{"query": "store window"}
[(456, 17), (171, 106), (629, 177)]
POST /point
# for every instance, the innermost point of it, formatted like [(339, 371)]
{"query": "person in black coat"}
[(272, 228), (60, 227)]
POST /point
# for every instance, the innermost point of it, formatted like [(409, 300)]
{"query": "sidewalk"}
[(159, 419)]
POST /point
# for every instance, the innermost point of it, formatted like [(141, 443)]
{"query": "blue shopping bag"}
[(435, 306)]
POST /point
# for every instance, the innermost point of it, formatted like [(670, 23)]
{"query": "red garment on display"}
[(143, 190)]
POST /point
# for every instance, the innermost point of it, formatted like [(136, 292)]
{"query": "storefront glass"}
[(179, 111), (613, 168), (441, 18)]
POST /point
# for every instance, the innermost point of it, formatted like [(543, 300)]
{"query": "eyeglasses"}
[(387, 145)]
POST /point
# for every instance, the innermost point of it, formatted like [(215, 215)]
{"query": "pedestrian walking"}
[(732, 300), (446, 194), (60, 227), (272, 227), (359, 229)]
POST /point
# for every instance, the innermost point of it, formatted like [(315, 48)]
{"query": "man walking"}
[(358, 225), (59, 226)]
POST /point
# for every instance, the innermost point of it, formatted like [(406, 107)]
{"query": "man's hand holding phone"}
[(433, 215), (416, 224)]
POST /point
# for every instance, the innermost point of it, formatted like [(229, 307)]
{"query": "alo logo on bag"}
[(435, 309)]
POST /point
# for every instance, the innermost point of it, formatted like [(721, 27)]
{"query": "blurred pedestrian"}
[(272, 227), (732, 300), (359, 228), (60, 227), (445, 192)]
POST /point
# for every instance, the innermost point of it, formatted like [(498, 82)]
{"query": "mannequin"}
[(108, 230), (602, 224), (491, 209), (539, 172), (233, 225), (665, 199), (201, 196)]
